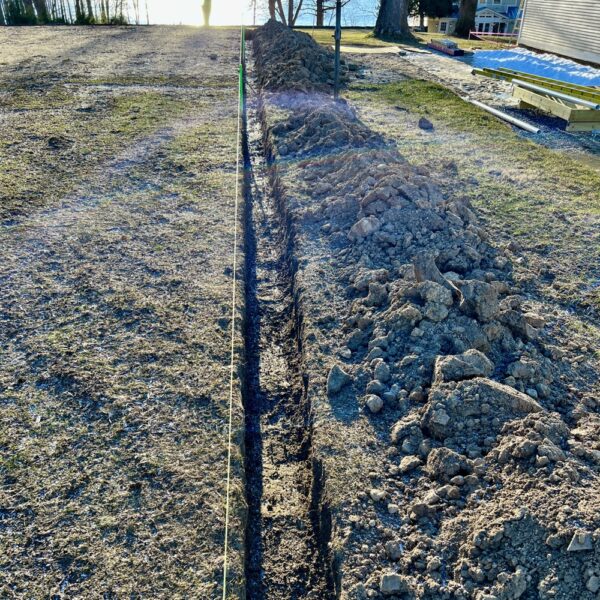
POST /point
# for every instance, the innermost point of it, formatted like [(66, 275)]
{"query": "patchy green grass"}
[(424, 37), (365, 37), (350, 37), (497, 141), (22, 98), (116, 213), (46, 153), (155, 80), (546, 200)]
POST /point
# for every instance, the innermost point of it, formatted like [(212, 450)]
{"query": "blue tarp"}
[(546, 65)]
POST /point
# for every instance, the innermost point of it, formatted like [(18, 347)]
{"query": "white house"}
[(567, 27), (492, 16)]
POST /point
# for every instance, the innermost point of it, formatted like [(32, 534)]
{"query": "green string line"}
[(233, 305)]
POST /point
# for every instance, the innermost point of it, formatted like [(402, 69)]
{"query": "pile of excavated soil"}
[(318, 129), (482, 458), (302, 64)]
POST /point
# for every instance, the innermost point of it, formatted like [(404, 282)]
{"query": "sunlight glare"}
[(189, 12)]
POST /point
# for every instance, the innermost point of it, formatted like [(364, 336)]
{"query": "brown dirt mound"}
[(488, 479), (301, 65), (322, 128)]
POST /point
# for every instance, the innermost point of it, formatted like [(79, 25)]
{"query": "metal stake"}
[(338, 40)]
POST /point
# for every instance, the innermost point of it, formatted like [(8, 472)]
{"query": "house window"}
[(497, 1), (443, 26)]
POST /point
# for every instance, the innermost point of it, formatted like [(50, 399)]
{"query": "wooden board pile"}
[(578, 105)]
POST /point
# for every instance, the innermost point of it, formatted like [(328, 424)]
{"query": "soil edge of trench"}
[(320, 511)]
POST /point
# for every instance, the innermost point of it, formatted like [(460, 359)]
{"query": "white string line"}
[(233, 308)]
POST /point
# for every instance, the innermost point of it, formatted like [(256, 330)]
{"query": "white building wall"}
[(498, 5), (567, 27)]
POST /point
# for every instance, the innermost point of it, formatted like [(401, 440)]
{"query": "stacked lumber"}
[(578, 105)]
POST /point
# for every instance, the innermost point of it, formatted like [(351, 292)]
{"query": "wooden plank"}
[(583, 127), (566, 89), (575, 86), (560, 101), (578, 119), (583, 115), (586, 93), (571, 86), (543, 102), (526, 105)]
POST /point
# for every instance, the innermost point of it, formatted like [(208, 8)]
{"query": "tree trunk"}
[(78, 13), (297, 13), (206, 8), (281, 12), (29, 13), (67, 12), (290, 18), (320, 13), (392, 20), (466, 17), (91, 17), (42, 11), (2, 18), (271, 9)]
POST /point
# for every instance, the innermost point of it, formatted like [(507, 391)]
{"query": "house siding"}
[(566, 27)]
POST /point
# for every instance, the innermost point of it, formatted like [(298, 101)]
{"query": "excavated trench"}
[(286, 547)]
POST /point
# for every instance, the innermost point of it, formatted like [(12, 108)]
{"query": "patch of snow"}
[(545, 65)]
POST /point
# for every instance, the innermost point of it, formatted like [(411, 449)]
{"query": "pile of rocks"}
[(487, 485)]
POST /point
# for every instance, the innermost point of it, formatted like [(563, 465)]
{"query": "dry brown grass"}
[(116, 241)]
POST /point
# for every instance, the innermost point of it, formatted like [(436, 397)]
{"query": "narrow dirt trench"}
[(284, 548)]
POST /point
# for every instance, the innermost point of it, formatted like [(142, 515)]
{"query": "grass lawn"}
[(116, 231), (350, 37), (424, 37), (365, 37)]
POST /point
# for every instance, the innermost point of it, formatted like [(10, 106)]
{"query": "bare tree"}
[(80, 12), (41, 10), (287, 17), (320, 8)]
